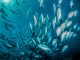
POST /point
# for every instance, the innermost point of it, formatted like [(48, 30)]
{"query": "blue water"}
[(20, 18)]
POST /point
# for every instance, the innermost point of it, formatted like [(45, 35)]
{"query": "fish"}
[(59, 2), (8, 26), (44, 47), (35, 20), (14, 12), (2, 36), (4, 17), (71, 4), (2, 5), (8, 44), (63, 36), (41, 3), (79, 28), (75, 12), (54, 22), (30, 24), (17, 2), (49, 40), (64, 48), (38, 39), (3, 12), (72, 13), (34, 41), (54, 42), (22, 53), (42, 18), (59, 13), (69, 23), (54, 8), (38, 56), (58, 31), (75, 26), (46, 30)]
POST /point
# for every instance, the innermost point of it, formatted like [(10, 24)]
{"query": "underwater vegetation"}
[(33, 35)]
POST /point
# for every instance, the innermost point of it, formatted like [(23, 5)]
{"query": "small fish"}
[(30, 24), (13, 11), (49, 40), (34, 41), (63, 36), (8, 44), (35, 20), (54, 8), (79, 28), (17, 45), (22, 53), (54, 42), (3, 12), (64, 48), (59, 13), (58, 31), (71, 14), (75, 26), (71, 4), (8, 25), (59, 2), (2, 5), (17, 2), (75, 12), (41, 3), (44, 47), (42, 18), (69, 23), (38, 56), (4, 17), (38, 39), (54, 22), (46, 30)]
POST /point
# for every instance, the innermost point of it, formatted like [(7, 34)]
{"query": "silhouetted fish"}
[(3, 12), (8, 44), (14, 12), (8, 26), (17, 2)]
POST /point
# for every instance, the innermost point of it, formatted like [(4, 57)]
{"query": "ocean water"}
[(39, 29)]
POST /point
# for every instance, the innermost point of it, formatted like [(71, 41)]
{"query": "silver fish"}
[(46, 30), (54, 8), (30, 24), (41, 3), (54, 42), (64, 48), (72, 13), (71, 4), (35, 20), (42, 18), (59, 13), (54, 22), (59, 2)]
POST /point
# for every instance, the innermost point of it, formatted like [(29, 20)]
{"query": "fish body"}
[(54, 8), (59, 13), (30, 25), (35, 20), (59, 2), (71, 4), (64, 48), (41, 3)]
